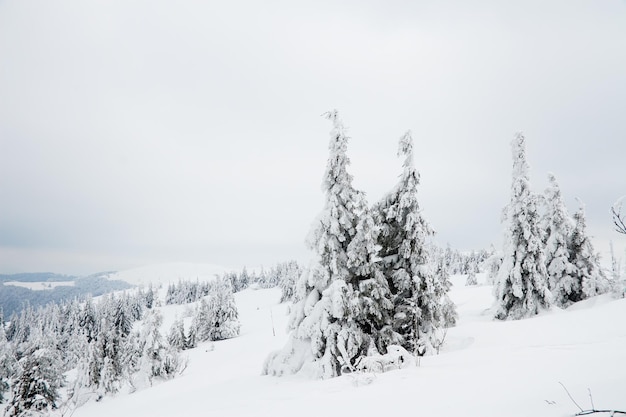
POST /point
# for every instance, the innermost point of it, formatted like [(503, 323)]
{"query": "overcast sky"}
[(135, 132)]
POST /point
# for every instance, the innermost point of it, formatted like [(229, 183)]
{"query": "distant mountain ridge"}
[(15, 298), (37, 277)]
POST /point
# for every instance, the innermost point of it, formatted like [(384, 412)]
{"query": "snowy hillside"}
[(486, 368), (166, 273)]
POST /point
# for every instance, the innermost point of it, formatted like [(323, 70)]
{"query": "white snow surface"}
[(168, 273), (486, 368)]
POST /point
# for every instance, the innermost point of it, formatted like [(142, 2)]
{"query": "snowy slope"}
[(486, 368), (166, 273)]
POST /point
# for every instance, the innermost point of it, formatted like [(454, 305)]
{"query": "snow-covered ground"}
[(486, 368), (168, 273), (40, 285)]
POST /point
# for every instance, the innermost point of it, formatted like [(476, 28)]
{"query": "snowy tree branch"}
[(618, 220)]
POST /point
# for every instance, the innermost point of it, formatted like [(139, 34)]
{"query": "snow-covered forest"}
[(380, 304)]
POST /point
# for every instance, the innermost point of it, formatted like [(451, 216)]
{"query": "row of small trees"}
[(283, 274), (548, 257), (372, 283)]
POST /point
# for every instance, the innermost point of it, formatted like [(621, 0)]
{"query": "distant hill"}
[(13, 298), (36, 277)]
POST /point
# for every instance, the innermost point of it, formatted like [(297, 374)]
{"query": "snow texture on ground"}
[(486, 368)]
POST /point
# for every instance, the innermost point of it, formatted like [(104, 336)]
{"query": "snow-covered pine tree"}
[(35, 385), (472, 269), (422, 307), (7, 361), (223, 314), (492, 265), (202, 322), (324, 335), (158, 359), (521, 289), (559, 225), (588, 274), (289, 273), (176, 336)]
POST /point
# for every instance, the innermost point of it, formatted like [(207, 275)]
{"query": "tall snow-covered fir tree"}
[(521, 289), (325, 337), (559, 225), (422, 307), (588, 273)]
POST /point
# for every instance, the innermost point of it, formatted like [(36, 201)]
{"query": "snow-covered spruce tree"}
[(289, 274), (35, 386), (176, 336), (588, 276), (422, 307), (521, 289), (565, 288), (158, 359), (202, 321), (7, 361), (324, 335), (223, 314), (471, 274)]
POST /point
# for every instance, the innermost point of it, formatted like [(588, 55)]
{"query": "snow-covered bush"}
[(396, 357)]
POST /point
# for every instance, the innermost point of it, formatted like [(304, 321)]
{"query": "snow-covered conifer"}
[(35, 385), (418, 293), (289, 274), (559, 226), (158, 359), (521, 289), (471, 274), (223, 314), (324, 336), (7, 361), (589, 276), (176, 336)]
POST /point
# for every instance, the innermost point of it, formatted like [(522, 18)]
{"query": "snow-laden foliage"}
[(492, 265), (562, 281), (7, 362), (471, 275), (216, 317), (176, 336), (35, 386), (288, 275), (158, 359), (419, 294), (185, 292), (373, 310), (521, 289), (325, 338), (589, 276)]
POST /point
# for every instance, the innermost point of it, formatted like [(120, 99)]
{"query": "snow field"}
[(485, 368)]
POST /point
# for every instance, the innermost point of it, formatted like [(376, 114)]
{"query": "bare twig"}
[(618, 220), (593, 408), (572, 398)]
